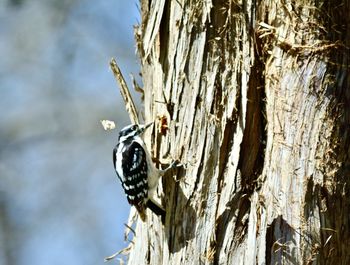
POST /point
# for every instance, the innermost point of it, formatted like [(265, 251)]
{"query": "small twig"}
[(124, 251), (137, 88), (124, 90), (130, 228)]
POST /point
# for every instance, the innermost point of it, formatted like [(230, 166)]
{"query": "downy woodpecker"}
[(136, 171)]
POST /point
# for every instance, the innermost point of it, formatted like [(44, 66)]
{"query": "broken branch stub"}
[(124, 90)]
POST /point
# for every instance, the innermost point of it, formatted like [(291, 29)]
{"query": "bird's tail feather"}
[(156, 208)]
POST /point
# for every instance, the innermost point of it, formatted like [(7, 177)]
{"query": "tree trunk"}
[(256, 96)]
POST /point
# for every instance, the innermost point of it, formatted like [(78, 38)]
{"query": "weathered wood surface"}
[(257, 99)]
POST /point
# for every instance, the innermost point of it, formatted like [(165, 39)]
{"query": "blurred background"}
[(60, 201)]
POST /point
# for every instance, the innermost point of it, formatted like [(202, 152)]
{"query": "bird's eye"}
[(134, 127)]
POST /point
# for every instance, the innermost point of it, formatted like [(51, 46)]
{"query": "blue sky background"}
[(60, 201)]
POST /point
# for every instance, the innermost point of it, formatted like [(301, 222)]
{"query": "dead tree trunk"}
[(257, 99)]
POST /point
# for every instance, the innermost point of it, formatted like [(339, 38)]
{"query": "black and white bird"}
[(136, 171)]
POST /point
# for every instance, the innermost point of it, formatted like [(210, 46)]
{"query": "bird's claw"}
[(176, 164)]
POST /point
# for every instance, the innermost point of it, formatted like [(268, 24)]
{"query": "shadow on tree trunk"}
[(279, 235), (181, 218)]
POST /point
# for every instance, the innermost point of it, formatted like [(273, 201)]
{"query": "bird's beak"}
[(144, 127), (148, 125)]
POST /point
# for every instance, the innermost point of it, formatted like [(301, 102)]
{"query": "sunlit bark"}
[(257, 99)]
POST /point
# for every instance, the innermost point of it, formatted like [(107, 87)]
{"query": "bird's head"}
[(132, 130)]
